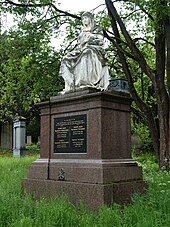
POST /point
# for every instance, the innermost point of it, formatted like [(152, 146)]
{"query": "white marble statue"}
[(85, 65)]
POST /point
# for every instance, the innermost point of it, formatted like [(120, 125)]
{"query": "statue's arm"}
[(97, 36), (96, 39)]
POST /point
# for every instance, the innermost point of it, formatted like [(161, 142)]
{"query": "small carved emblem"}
[(61, 175)]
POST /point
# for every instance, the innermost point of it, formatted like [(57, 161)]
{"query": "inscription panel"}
[(70, 134)]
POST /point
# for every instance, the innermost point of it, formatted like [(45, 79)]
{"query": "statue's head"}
[(87, 16)]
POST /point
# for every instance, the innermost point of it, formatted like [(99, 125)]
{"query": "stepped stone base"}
[(98, 168), (93, 195)]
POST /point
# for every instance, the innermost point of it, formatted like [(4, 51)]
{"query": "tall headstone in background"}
[(29, 140), (85, 133), (6, 129), (19, 137)]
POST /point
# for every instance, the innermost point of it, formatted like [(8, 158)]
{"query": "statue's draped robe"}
[(86, 66)]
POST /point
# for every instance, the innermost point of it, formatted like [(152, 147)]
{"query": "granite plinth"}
[(93, 195), (86, 170), (104, 172), (108, 124)]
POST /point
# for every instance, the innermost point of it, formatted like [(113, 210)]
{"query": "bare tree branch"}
[(136, 52), (140, 103), (138, 113), (28, 5), (141, 8), (118, 46), (97, 7), (117, 38), (145, 40), (131, 14)]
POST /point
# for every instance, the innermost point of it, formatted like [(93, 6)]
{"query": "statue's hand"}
[(83, 45)]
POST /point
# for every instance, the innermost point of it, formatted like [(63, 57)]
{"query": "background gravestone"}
[(19, 129)]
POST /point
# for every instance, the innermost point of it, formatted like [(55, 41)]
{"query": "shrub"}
[(143, 134)]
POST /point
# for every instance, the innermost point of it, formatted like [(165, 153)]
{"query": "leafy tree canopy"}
[(139, 35), (29, 69)]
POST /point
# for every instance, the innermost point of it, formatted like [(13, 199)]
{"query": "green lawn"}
[(17, 209)]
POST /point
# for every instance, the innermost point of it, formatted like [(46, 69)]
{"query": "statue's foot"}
[(61, 92)]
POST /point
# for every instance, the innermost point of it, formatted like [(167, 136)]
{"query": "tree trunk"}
[(153, 129), (160, 87), (167, 37), (160, 139)]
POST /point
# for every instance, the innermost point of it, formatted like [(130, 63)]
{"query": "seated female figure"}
[(86, 66)]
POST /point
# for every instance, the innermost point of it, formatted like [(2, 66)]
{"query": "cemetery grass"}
[(18, 209)]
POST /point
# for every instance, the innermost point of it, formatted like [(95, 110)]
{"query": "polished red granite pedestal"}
[(86, 150)]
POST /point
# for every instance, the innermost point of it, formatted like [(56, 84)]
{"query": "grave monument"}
[(85, 133), (19, 129)]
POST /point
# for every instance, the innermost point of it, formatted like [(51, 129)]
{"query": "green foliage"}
[(103, 20), (18, 209), (141, 130), (72, 29), (5, 152), (29, 70), (148, 163), (33, 126), (29, 66), (20, 8), (33, 148)]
